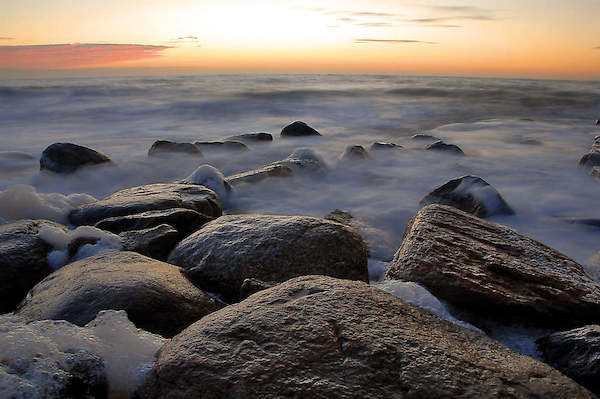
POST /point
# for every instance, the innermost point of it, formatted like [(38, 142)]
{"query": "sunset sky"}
[(523, 38)]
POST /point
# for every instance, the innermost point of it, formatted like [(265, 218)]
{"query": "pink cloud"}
[(63, 56)]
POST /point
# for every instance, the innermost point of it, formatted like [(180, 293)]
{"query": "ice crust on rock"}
[(22, 201), (38, 358), (60, 240)]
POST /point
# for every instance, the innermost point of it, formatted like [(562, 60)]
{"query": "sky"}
[(524, 38)]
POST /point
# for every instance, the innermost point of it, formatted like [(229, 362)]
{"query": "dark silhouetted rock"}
[(67, 157), (447, 148), (298, 129), (22, 259), (151, 197), (575, 353), (320, 337), (592, 158), (155, 242), (251, 286), (185, 221), (381, 146), (489, 270), (225, 252), (155, 295), (424, 137), (228, 145), (252, 137), (162, 147), (471, 194), (354, 153)]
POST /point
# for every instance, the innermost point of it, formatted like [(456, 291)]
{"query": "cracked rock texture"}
[(320, 337), (226, 251), (155, 295), (493, 271)]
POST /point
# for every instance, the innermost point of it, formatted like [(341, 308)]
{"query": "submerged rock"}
[(424, 137), (443, 147), (252, 137), (227, 145), (155, 242), (23, 259), (381, 146), (471, 194), (151, 197), (491, 271), (320, 337), (162, 147), (155, 295), (225, 252), (185, 221), (298, 129), (68, 157), (575, 353), (354, 153), (257, 175)]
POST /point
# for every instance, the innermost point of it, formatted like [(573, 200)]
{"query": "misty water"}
[(524, 137)]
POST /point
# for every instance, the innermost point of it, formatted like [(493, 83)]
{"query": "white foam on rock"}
[(210, 177), (36, 357), (418, 296), (60, 240), (22, 201)]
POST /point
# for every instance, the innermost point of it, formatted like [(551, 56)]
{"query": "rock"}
[(471, 194), (319, 337), (592, 158), (257, 175), (67, 157), (225, 252), (443, 147), (595, 172), (109, 357), (424, 137), (591, 222), (151, 197), (252, 286), (298, 129), (23, 260), (381, 146), (575, 353), (155, 295), (79, 242), (252, 137), (185, 221), (339, 216), (162, 147), (210, 177), (354, 153), (597, 122), (486, 269), (227, 145), (155, 242)]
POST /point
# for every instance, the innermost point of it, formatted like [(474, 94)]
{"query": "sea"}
[(523, 136)]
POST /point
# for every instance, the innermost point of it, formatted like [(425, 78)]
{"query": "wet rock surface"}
[(298, 129), (68, 157), (471, 194), (252, 137), (486, 269), (227, 145), (23, 260), (440, 146), (225, 252), (318, 336), (155, 295), (385, 147), (257, 175), (155, 242), (576, 353), (151, 197), (164, 147)]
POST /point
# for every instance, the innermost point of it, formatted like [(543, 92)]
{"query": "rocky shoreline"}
[(213, 302)]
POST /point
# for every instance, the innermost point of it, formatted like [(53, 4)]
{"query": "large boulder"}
[(471, 194), (155, 295), (151, 197), (576, 353), (440, 146), (298, 129), (155, 242), (488, 269), (184, 220), (68, 157), (162, 147), (23, 261), (320, 337), (252, 137), (225, 252)]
